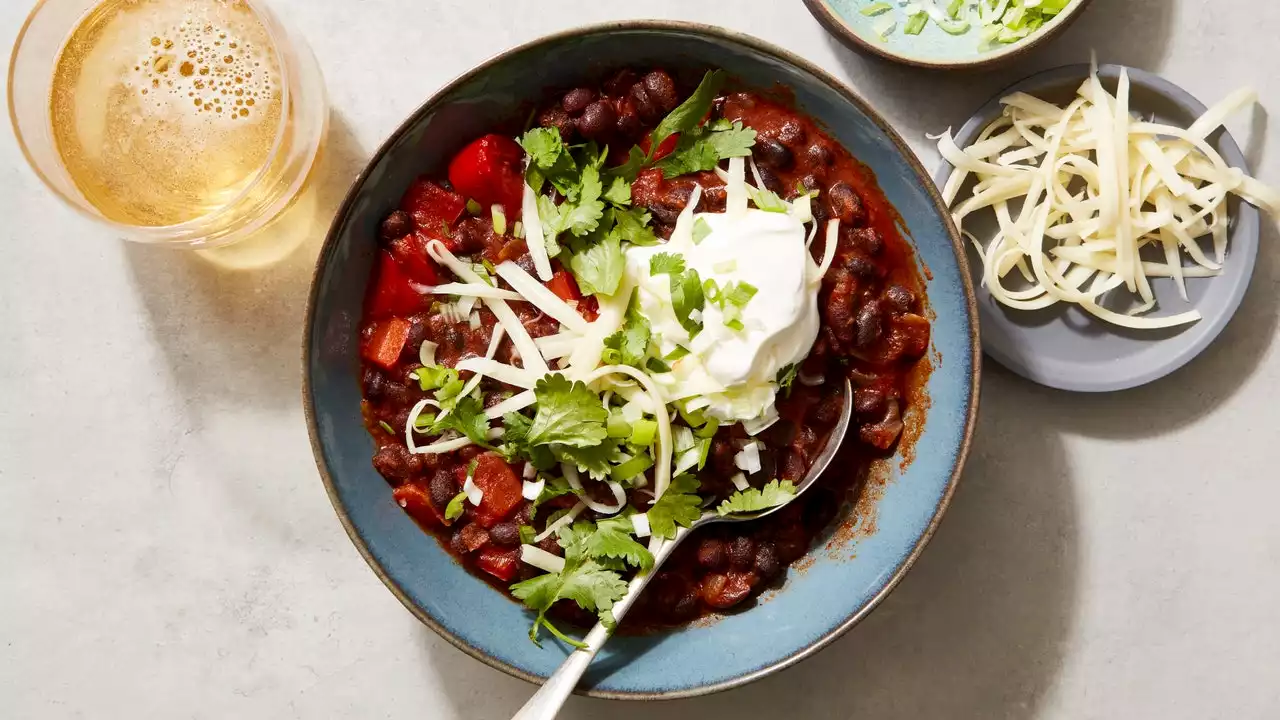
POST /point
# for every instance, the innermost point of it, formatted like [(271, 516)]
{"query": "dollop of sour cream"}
[(728, 373)]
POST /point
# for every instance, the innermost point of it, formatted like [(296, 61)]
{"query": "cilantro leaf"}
[(431, 377), (613, 540), (633, 226), (632, 167), (598, 268), (703, 148), (679, 505), (568, 413), (454, 509), (687, 296), (592, 587), (777, 492), (584, 581), (665, 263), (594, 460), (690, 112), (619, 192), (468, 418), (583, 214), (545, 147), (632, 341), (786, 376)]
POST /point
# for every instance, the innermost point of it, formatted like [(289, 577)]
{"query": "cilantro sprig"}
[(775, 493)]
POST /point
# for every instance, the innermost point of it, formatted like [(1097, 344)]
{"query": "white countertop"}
[(167, 550)]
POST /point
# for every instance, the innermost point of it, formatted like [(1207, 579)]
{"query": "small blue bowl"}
[(814, 606)]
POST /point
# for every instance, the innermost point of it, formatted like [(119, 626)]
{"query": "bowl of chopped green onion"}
[(945, 34)]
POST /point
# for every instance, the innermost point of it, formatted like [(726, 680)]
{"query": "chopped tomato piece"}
[(501, 489), (432, 206), (491, 171), (564, 286), (725, 591), (387, 341), (417, 502), (589, 308), (410, 253), (665, 148), (499, 563), (390, 293)]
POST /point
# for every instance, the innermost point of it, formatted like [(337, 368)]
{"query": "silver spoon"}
[(546, 703)]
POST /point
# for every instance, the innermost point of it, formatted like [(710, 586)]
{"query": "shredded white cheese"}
[(474, 493), (541, 559), (535, 292), (560, 522), (1096, 187), (534, 237), (531, 490)]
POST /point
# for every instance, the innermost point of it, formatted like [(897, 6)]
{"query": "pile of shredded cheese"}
[(1079, 192)]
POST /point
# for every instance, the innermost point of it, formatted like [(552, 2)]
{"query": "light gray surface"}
[(167, 550)]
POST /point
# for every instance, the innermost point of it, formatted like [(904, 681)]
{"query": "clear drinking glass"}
[(255, 204)]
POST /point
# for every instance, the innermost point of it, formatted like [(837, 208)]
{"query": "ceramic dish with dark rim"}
[(933, 47), (844, 581), (1067, 348)]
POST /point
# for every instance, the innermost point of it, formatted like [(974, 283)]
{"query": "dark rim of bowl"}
[(835, 25), (975, 350)]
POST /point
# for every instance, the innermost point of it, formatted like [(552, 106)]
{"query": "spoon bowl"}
[(546, 703)]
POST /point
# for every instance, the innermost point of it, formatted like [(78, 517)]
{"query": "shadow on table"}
[(976, 630), (234, 337)]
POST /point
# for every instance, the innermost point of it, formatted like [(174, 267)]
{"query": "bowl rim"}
[(779, 53), (836, 25), (1247, 219)]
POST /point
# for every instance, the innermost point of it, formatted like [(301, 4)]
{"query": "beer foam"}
[(212, 61)]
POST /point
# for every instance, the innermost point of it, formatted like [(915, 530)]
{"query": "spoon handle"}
[(546, 703)]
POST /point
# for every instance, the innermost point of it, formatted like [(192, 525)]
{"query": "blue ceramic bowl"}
[(814, 606)]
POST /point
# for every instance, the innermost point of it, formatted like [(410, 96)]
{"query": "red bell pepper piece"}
[(410, 253), (564, 286), (390, 293), (491, 171), (501, 490), (432, 206), (417, 502), (499, 563), (665, 148), (387, 341)]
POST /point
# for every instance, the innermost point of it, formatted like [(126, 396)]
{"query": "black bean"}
[(900, 298), (374, 384), (870, 324), (869, 401), (712, 554), (820, 155), (772, 153), (620, 82), (628, 124), (811, 183), (395, 226), (767, 561), (647, 107), (661, 89), (443, 488), (742, 551), (413, 341), (577, 100), (526, 514), (395, 463), (845, 204), (770, 178), (505, 533), (713, 200), (861, 266), (827, 411), (868, 239), (597, 120), (791, 133), (556, 117)]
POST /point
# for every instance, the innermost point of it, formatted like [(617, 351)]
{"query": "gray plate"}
[(1065, 347)]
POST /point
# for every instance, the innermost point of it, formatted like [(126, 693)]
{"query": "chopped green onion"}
[(735, 325), (954, 8), (527, 534), (676, 354), (739, 294), (631, 468), (701, 229), (424, 421), (707, 430), (879, 7), (617, 427), (711, 291), (454, 509), (518, 230), (725, 266), (915, 23), (499, 220), (642, 432), (474, 207), (387, 426), (654, 365)]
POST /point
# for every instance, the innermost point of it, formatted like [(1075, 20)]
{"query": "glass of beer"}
[(189, 123)]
